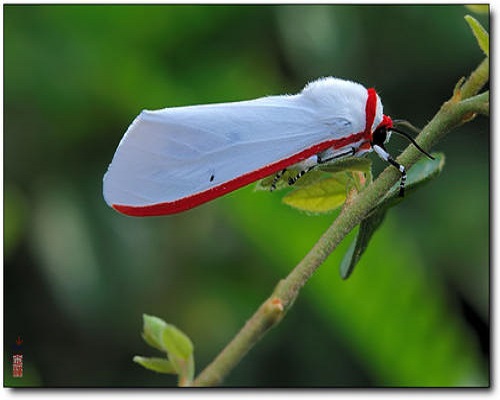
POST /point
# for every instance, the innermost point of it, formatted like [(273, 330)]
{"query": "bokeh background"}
[(78, 276)]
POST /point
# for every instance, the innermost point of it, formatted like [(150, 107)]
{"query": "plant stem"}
[(477, 79), (453, 113)]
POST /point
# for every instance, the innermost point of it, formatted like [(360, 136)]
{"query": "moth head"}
[(382, 134)]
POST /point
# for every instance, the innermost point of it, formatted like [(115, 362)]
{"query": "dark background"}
[(78, 276)]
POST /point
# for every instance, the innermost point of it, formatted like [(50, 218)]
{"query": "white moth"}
[(174, 159)]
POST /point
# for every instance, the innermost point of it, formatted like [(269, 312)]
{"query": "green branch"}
[(461, 108)]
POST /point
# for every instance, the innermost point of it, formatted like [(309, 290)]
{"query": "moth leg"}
[(330, 155), (304, 167), (294, 179), (384, 155), (323, 158), (277, 177)]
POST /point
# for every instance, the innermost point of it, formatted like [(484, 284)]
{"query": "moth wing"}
[(173, 159)]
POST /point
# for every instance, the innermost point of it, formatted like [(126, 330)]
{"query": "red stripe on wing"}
[(196, 199)]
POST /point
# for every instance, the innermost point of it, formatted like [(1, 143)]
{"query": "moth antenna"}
[(407, 136), (402, 123)]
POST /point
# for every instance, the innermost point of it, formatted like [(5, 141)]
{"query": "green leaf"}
[(161, 365), (353, 164), (482, 37), (361, 164), (366, 230), (423, 171), (180, 352), (176, 343), (321, 196), (479, 8), (152, 331)]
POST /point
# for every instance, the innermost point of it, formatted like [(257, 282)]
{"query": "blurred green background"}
[(78, 276)]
